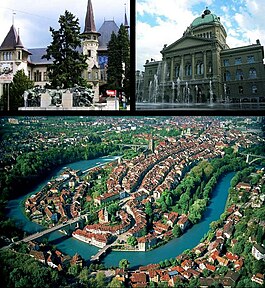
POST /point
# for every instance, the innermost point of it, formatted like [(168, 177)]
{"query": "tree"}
[(68, 64), (124, 264), (176, 231), (114, 63), (101, 279), (132, 241), (115, 283), (20, 83), (124, 45), (119, 61)]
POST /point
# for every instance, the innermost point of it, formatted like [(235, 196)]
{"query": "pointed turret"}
[(126, 25), (19, 43), (10, 42), (90, 27)]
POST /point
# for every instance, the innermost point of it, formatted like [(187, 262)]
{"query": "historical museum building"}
[(200, 67), (14, 56)]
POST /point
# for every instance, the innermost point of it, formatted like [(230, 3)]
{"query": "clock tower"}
[(90, 46)]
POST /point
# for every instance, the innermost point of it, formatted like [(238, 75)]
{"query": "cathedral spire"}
[(90, 21)]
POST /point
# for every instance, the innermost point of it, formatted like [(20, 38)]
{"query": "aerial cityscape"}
[(151, 201)]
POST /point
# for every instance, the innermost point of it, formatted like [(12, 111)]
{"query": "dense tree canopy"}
[(119, 61), (20, 83), (68, 63)]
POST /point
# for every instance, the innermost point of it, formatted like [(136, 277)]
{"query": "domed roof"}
[(206, 18)]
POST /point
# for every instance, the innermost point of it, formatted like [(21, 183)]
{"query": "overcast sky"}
[(160, 22), (34, 17)]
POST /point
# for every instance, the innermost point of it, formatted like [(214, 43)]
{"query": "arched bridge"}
[(250, 158)]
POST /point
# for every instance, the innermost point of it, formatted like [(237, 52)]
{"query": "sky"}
[(160, 22), (34, 18)]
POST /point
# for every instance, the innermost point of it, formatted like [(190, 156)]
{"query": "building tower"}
[(13, 57), (151, 144), (90, 46), (126, 25)]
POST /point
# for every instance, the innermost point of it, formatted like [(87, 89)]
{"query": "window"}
[(188, 70), (227, 75), (252, 73), (226, 62), (250, 59), (177, 71), (37, 76), (210, 67), (45, 76), (89, 76), (238, 61), (89, 53), (95, 37), (19, 55), (254, 89), (240, 90), (150, 72), (200, 68), (239, 74)]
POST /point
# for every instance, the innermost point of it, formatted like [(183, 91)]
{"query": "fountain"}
[(211, 93), (173, 92), (163, 81), (178, 89), (150, 90), (186, 93), (155, 90), (225, 93), (196, 93)]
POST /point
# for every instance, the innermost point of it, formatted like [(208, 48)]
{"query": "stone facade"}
[(14, 56), (200, 66)]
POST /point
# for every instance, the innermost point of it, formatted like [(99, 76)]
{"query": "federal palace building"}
[(202, 65)]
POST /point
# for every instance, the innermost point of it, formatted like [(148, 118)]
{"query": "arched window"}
[(239, 74), (254, 89), (210, 67), (200, 68), (227, 75), (188, 70), (252, 73)]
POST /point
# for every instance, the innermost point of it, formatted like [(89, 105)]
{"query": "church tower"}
[(90, 46)]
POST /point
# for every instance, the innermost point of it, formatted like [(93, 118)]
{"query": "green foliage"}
[(119, 61), (113, 208), (176, 231), (19, 270), (20, 83), (68, 64), (115, 283), (132, 241), (196, 210), (124, 264)]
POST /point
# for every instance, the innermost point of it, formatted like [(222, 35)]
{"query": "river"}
[(69, 245)]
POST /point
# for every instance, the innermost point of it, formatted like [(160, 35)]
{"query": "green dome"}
[(206, 18)]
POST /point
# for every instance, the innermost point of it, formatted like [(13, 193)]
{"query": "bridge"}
[(52, 229), (101, 252), (256, 157)]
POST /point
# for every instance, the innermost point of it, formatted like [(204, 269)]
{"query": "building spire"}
[(90, 21), (125, 19)]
